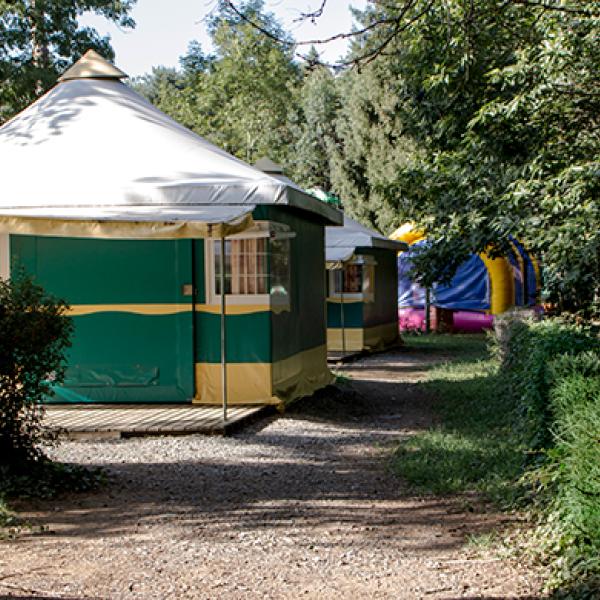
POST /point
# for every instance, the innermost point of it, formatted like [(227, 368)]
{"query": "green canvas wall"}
[(119, 355)]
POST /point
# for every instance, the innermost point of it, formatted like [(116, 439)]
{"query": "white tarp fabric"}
[(93, 158), (341, 242)]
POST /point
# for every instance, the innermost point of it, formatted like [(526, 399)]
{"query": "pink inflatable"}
[(413, 319), (472, 322)]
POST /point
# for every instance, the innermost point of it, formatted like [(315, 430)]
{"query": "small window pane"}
[(245, 266), (353, 279)]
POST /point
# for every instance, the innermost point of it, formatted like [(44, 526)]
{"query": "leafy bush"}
[(571, 477), (34, 335), (526, 370), (552, 373)]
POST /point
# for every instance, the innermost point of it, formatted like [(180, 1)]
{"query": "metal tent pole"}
[(427, 310), (342, 318), (223, 331)]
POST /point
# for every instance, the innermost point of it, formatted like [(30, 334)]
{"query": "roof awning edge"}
[(115, 229), (389, 244)]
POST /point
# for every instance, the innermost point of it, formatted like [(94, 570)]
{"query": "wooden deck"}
[(114, 421)]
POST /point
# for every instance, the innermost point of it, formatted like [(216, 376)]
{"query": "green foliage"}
[(46, 479), (570, 480), (312, 129), (528, 376), (34, 334), (10, 524), (479, 121), (40, 38), (372, 147), (240, 98)]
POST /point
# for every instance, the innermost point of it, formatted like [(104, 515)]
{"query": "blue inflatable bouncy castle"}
[(481, 288)]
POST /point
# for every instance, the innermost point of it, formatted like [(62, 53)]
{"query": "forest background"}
[(476, 119)]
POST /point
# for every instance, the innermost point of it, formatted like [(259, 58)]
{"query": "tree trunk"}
[(40, 53)]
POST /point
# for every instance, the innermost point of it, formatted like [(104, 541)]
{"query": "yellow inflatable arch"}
[(502, 285)]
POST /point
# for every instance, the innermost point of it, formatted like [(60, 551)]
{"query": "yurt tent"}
[(183, 266), (362, 310), (481, 288)]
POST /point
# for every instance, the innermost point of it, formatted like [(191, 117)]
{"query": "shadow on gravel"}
[(360, 403), (326, 476), (330, 479), (221, 510)]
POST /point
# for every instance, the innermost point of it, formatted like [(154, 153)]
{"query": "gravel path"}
[(298, 506)]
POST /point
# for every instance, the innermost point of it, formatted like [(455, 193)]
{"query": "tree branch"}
[(312, 15), (557, 7)]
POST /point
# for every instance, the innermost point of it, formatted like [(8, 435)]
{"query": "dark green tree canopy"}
[(40, 38), (240, 96), (480, 121), (312, 126)]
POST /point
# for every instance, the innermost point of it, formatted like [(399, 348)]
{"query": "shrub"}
[(573, 470), (34, 335), (529, 351), (552, 373)]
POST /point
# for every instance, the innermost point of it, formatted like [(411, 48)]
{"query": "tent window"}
[(354, 279), (349, 279), (254, 266), (246, 271)]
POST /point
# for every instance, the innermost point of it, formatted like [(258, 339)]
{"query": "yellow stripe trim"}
[(350, 339), (78, 310), (124, 230), (357, 339), (345, 300), (265, 383), (139, 309), (233, 309)]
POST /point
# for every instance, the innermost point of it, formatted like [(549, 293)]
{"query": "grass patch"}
[(457, 347), (472, 448)]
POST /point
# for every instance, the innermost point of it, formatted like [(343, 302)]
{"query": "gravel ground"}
[(295, 506)]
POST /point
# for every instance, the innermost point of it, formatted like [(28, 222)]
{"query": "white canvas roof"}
[(93, 158), (341, 242)]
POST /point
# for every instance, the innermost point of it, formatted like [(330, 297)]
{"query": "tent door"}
[(132, 311)]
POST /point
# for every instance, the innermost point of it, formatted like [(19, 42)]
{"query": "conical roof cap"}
[(92, 66)]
